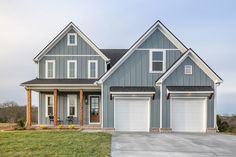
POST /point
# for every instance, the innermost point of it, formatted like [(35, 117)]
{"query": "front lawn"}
[(54, 143)]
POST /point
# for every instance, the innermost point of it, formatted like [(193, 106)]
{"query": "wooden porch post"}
[(55, 93), (28, 108), (81, 108)]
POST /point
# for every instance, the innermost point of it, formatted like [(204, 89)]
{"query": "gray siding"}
[(62, 107), (82, 48), (135, 72), (157, 40), (178, 78)]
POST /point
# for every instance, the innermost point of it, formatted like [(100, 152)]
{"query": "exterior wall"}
[(178, 78), (62, 107), (82, 53), (135, 72)]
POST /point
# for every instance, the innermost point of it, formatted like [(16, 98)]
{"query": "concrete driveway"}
[(172, 144)]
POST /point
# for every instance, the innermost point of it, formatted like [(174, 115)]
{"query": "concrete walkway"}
[(172, 144)]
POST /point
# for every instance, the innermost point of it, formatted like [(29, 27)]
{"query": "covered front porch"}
[(65, 105)]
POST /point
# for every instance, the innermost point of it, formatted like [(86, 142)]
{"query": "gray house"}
[(158, 84)]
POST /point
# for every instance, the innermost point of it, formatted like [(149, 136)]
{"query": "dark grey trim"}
[(190, 88), (131, 89)]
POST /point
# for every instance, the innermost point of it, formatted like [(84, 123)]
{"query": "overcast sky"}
[(26, 27)]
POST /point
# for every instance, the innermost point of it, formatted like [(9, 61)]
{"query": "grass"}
[(54, 143)]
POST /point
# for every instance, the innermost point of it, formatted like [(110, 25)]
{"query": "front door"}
[(94, 109)]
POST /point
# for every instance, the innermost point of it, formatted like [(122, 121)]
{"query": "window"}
[(72, 105), (188, 69), (49, 105), (71, 69), (50, 69), (71, 39), (92, 69), (157, 61)]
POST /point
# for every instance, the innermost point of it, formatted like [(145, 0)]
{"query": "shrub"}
[(60, 126), (21, 123), (222, 125), (71, 126)]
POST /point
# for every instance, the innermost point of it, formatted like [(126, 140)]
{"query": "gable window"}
[(157, 61), (72, 105), (92, 69), (49, 105), (188, 69), (50, 69), (71, 39), (71, 69)]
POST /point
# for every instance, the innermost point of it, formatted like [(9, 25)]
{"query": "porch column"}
[(55, 93), (28, 108), (81, 108)]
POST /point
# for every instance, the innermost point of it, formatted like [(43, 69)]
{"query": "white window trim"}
[(68, 68), (46, 69), (96, 69), (68, 39), (46, 104), (186, 71), (150, 60), (68, 105)]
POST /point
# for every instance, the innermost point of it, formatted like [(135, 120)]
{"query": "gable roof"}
[(156, 25), (114, 54), (190, 53), (70, 26)]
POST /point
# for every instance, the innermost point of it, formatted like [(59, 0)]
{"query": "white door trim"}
[(142, 98), (205, 106), (99, 109)]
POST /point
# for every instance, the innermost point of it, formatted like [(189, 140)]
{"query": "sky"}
[(26, 27)]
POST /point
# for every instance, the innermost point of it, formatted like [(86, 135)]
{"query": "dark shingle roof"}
[(60, 81), (114, 54), (132, 89), (190, 88)]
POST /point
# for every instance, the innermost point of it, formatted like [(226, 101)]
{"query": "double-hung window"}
[(71, 69), (71, 39), (49, 105), (50, 69), (72, 105), (157, 61), (93, 69)]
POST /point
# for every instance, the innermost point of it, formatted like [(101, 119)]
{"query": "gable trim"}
[(156, 25), (61, 34), (197, 60)]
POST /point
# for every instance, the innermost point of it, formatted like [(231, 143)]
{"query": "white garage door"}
[(188, 115), (131, 114)]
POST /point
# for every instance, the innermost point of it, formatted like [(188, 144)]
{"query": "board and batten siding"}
[(135, 72), (81, 53), (178, 78), (62, 107)]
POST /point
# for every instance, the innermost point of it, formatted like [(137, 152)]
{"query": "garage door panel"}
[(131, 114), (188, 115)]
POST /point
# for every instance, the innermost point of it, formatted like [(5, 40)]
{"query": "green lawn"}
[(54, 143)]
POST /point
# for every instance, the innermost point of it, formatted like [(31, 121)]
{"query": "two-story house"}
[(158, 84)]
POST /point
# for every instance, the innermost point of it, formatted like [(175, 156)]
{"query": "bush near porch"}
[(54, 143)]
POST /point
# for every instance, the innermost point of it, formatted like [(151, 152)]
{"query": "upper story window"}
[(71, 69), (50, 69), (188, 69), (92, 69), (157, 61), (49, 105), (72, 105), (71, 39)]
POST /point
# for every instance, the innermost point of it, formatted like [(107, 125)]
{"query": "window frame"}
[(185, 69), (68, 39), (151, 60), (89, 69), (68, 104), (68, 68), (46, 104), (53, 69)]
